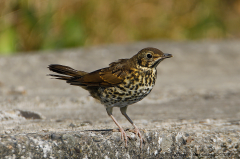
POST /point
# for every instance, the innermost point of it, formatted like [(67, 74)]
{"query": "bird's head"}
[(150, 57)]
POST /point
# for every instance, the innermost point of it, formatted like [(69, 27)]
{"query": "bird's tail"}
[(68, 72)]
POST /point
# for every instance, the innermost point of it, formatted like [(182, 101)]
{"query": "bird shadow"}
[(104, 130), (112, 130)]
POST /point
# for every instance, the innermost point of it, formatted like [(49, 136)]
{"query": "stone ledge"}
[(219, 142)]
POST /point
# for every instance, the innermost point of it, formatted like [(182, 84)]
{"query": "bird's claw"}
[(138, 133), (124, 136)]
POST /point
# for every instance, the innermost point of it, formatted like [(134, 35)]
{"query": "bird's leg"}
[(137, 132), (123, 133)]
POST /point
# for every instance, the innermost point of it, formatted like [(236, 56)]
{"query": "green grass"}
[(28, 25)]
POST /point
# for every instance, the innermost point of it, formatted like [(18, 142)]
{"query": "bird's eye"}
[(149, 56)]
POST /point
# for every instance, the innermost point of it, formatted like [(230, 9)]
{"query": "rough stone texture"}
[(193, 111)]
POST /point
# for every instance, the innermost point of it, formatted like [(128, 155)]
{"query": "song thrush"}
[(124, 82)]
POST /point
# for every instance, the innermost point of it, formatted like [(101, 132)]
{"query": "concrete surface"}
[(193, 111)]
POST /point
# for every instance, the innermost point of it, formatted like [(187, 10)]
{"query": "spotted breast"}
[(136, 86)]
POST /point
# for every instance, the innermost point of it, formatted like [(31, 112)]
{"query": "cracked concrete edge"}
[(108, 144)]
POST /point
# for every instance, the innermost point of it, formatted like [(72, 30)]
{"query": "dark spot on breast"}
[(136, 87), (116, 93), (136, 79), (121, 88), (119, 98), (150, 81), (131, 88), (128, 98), (105, 101), (146, 80)]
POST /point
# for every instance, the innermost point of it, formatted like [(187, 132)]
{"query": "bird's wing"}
[(105, 77)]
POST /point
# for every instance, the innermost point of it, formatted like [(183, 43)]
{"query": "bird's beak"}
[(165, 55)]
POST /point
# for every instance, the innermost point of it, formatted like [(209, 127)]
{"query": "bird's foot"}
[(124, 136), (138, 133)]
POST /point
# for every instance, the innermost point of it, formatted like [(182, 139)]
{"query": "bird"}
[(122, 83)]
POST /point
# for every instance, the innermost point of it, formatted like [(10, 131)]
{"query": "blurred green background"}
[(29, 25)]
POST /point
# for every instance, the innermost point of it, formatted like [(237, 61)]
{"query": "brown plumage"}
[(124, 82)]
